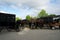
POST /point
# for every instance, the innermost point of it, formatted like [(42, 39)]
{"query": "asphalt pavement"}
[(27, 34)]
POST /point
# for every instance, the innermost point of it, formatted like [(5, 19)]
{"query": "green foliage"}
[(52, 15), (28, 17), (17, 18), (42, 14), (34, 17)]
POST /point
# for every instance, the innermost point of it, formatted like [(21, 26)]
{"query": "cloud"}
[(53, 8), (6, 12), (3, 12), (30, 3), (13, 6), (32, 7)]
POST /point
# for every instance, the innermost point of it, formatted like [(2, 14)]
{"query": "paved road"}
[(31, 35)]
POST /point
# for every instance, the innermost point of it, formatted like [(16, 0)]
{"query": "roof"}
[(50, 16), (7, 14)]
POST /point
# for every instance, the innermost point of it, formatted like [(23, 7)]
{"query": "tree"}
[(34, 17), (28, 17), (17, 18), (52, 15), (42, 13)]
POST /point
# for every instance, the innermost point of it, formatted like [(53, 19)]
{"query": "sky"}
[(29, 7)]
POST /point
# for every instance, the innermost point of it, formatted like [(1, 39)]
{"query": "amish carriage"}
[(39, 23), (55, 23), (32, 23), (28, 23), (24, 22), (7, 21), (51, 22)]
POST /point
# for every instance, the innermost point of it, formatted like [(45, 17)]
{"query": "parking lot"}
[(28, 34)]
